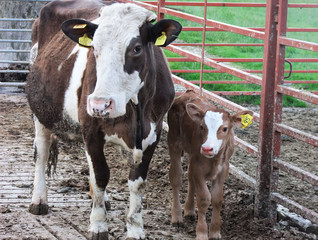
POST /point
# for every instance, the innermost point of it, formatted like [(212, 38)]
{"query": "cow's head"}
[(122, 39), (216, 127)]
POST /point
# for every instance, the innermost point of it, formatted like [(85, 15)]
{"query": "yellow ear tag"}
[(246, 120), (161, 40), (80, 26), (85, 41)]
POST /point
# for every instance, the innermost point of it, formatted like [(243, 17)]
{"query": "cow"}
[(99, 67), (205, 132)]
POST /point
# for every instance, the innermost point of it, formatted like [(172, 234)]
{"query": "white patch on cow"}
[(117, 140), (213, 121), (137, 156), (165, 126), (98, 214), (135, 227), (151, 138), (71, 97), (110, 43), (33, 53), (42, 144)]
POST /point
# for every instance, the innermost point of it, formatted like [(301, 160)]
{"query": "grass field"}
[(248, 17)]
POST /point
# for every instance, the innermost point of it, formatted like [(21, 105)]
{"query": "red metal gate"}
[(273, 88)]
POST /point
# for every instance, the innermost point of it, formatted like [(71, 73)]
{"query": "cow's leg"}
[(189, 207), (99, 176), (175, 177), (217, 201), (203, 198), (42, 142), (137, 184)]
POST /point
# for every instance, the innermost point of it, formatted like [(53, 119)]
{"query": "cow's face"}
[(216, 128), (122, 43)]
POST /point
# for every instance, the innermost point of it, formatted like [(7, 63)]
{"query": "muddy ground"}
[(68, 190)]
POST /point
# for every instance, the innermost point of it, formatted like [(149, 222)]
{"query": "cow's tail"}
[(53, 154)]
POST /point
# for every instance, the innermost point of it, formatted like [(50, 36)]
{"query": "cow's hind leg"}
[(99, 177), (42, 142)]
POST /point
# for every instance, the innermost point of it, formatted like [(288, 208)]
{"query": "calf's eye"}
[(224, 129)]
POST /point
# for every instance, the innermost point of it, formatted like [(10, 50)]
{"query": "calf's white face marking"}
[(213, 121), (115, 87)]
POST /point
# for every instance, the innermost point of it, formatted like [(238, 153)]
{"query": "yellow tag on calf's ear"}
[(246, 120), (85, 41), (161, 40), (79, 26)]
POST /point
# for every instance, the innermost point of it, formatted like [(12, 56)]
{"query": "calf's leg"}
[(175, 177), (217, 201), (99, 177), (42, 142), (189, 207), (203, 198)]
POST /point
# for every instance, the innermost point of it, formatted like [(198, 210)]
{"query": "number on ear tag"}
[(161, 40), (246, 120), (85, 41)]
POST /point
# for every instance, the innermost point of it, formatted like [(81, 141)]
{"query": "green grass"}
[(248, 17)]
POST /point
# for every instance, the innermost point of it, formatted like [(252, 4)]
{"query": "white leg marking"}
[(98, 219), (42, 144), (135, 228)]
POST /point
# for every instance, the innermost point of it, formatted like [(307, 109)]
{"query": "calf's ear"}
[(80, 31), (195, 113), (242, 119), (165, 32)]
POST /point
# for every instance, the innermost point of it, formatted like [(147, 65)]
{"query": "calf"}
[(112, 81), (205, 132)]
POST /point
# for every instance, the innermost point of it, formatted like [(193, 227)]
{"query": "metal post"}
[(203, 45), (266, 125), (161, 3), (279, 79)]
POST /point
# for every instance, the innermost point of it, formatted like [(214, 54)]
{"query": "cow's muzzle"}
[(99, 107)]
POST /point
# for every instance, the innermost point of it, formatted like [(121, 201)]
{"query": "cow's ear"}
[(165, 32), (195, 113), (242, 119), (80, 31)]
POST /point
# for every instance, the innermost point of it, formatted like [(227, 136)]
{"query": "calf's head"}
[(216, 127), (122, 38)]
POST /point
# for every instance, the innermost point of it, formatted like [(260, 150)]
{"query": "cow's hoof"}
[(130, 238), (39, 209), (178, 224), (108, 206), (99, 236)]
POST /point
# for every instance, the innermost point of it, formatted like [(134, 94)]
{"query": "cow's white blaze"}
[(98, 214), (213, 121), (71, 98), (110, 43), (135, 227)]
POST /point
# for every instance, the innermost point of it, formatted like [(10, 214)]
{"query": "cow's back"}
[(50, 74)]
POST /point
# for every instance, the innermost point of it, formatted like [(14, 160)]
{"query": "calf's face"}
[(215, 127), (122, 40)]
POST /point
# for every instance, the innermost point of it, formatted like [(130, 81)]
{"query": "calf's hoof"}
[(178, 224), (39, 209), (190, 218), (215, 236), (99, 236)]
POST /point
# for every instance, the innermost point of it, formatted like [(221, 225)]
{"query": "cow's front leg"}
[(203, 198), (137, 184), (42, 142), (99, 177)]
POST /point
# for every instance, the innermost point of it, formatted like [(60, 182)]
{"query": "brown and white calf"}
[(205, 132), (112, 81)]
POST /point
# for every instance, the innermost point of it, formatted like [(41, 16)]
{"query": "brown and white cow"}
[(205, 132), (111, 81)]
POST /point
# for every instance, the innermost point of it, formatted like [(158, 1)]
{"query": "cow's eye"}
[(137, 49), (224, 129)]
